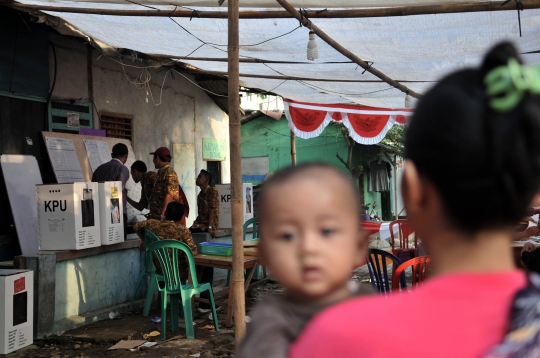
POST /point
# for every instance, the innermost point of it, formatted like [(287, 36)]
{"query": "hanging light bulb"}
[(312, 50), (408, 101)]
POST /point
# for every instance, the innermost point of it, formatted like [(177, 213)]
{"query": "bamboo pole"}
[(294, 78), (243, 60), (236, 173), (293, 149), (473, 6), (306, 22)]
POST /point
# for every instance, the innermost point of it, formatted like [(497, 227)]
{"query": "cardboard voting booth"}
[(110, 210), (224, 192), (16, 309), (68, 216)]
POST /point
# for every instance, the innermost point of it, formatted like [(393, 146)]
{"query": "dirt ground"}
[(94, 340)]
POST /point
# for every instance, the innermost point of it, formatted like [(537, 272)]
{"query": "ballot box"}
[(68, 216), (111, 219), (224, 192)]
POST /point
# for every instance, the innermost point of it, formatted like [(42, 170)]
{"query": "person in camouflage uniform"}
[(170, 229), (207, 206), (165, 187)]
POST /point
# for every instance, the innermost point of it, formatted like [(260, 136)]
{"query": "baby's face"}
[(310, 236)]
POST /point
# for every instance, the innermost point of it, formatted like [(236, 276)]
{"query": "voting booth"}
[(68, 216), (16, 309), (110, 210), (224, 192)]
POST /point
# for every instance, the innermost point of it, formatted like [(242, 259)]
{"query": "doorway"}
[(214, 168)]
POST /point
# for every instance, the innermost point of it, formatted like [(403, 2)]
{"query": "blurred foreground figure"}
[(310, 243), (472, 169)]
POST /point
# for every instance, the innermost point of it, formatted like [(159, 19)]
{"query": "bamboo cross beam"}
[(323, 36), (250, 60), (444, 8), (296, 78)]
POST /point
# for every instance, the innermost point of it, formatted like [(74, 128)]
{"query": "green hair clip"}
[(506, 85)]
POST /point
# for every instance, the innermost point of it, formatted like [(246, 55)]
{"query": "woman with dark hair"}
[(472, 169)]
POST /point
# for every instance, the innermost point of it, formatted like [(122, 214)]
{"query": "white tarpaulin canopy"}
[(416, 50)]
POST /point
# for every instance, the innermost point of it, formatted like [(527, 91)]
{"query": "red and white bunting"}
[(367, 125)]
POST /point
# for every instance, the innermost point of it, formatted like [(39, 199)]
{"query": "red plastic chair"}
[(404, 230), (420, 268)]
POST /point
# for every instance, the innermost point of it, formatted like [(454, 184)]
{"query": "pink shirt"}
[(456, 315)]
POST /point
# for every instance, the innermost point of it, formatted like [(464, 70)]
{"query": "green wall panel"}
[(265, 136)]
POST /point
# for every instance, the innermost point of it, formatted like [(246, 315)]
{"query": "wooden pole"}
[(293, 149), (473, 6), (307, 23), (236, 174)]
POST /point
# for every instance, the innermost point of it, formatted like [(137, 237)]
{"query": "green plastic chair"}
[(173, 287), (149, 270), (246, 226)]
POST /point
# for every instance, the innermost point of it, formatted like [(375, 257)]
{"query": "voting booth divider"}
[(224, 193), (110, 212)]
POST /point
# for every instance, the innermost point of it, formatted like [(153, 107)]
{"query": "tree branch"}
[(344, 163)]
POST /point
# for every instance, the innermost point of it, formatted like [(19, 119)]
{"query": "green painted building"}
[(266, 148)]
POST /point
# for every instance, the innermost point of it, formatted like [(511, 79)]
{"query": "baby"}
[(310, 240)]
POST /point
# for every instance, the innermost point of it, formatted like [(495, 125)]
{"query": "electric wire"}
[(247, 45), (341, 93)]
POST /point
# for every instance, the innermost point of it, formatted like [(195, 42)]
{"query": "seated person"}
[(170, 229), (528, 226), (527, 233), (530, 256)]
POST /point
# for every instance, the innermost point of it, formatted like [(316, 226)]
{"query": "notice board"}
[(80, 149), (214, 149)]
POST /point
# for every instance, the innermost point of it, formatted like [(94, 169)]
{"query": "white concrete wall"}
[(185, 116), (95, 282)]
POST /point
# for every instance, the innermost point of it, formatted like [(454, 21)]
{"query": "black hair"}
[(484, 163), (163, 159), (175, 211), (286, 174), (207, 175), (119, 150), (139, 166)]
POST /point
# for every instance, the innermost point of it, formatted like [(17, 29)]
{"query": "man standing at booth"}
[(147, 179), (165, 188), (207, 205), (115, 170), (207, 221)]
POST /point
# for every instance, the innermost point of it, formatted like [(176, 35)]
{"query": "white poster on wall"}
[(98, 153), (184, 165), (73, 120), (65, 162)]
